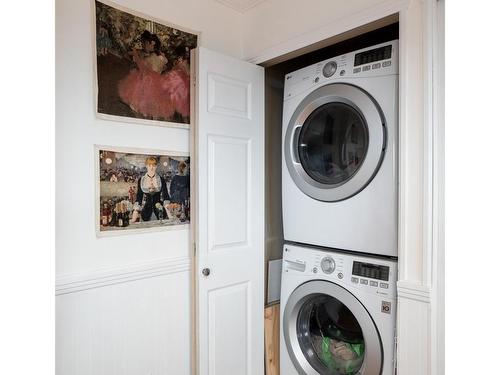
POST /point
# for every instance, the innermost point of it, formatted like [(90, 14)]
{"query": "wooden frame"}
[(124, 119), (194, 210), (100, 233)]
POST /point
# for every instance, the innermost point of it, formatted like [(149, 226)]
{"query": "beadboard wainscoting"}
[(128, 320)]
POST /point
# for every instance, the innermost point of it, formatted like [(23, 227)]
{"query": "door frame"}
[(193, 71), (421, 165)]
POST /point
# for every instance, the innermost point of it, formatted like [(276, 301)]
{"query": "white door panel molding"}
[(229, 170)]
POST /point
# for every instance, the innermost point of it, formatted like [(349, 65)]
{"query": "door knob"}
[(205, 271)]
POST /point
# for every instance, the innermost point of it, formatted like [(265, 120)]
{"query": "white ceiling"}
[(240, 5)]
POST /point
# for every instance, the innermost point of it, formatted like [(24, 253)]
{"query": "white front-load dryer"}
[(338, 313), (339, 168)]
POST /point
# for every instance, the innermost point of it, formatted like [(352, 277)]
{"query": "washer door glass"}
[(329, 336), (328, 331), (333, 143)]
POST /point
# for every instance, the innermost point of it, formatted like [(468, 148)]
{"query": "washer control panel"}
[(373, 275)]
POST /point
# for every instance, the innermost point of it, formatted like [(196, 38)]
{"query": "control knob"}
[(329, 69), (327, 265)]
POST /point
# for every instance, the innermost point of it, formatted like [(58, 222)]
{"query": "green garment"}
[(350, 367)]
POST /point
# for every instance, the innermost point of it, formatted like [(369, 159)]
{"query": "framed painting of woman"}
[(142, 67), (141, 190)]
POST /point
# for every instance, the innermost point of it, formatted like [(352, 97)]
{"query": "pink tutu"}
[(176, 83), (156, 95)]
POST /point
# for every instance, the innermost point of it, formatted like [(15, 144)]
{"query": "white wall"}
[(101, 329), (276, 21), (77, 130)]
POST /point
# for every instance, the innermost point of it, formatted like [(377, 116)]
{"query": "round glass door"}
[(330, 336), (328, 331), (335, 142)]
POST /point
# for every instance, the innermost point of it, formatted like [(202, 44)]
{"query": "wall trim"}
[(416, 292), (77, 282), (413, 331)]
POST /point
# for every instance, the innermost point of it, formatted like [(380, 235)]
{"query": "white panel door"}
[(229, 221)]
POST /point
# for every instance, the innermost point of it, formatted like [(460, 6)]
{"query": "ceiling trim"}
[(240, 5)]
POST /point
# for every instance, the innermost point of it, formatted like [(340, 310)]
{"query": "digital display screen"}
[(372, 55), (372, 271)]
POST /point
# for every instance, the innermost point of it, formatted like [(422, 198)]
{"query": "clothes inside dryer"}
[(333, 143), (330, 336)]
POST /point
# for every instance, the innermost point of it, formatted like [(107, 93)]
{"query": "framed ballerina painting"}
[(141, 190), (142, 67)]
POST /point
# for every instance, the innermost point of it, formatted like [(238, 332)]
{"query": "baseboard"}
[(78, 282), (413, 337)]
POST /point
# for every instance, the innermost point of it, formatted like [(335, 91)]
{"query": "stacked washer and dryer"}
[(339, 183)]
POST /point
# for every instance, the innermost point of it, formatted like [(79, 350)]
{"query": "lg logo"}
[(386, 307)]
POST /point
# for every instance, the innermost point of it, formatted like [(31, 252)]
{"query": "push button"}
[(373, 283), (384, 285), (376, 66), (364, 282), (356, 70), (386, 63), (355, 280), (365, 68)]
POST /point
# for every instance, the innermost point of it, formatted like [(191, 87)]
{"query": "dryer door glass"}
[(330, 336), (333, 143)]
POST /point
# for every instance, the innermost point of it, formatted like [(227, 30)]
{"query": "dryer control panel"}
[(378, 60), (371, 274)]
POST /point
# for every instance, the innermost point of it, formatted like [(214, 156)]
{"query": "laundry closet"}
[(306, 299), (325, 181)]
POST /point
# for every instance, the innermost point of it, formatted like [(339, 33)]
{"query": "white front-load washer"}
[(339, 169), (338, 313)]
